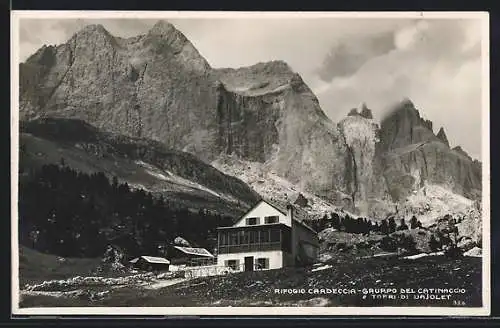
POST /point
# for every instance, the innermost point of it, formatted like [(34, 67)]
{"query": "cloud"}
[(347, 56), (436, 63)]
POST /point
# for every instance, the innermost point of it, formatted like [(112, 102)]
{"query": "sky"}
[(345, 61)]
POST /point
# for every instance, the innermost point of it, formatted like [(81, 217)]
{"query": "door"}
[(248, 263)]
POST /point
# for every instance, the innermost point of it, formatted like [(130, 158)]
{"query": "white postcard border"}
[(227, 311)]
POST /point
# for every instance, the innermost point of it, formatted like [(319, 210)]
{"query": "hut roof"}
[(151, 259), (194, 251)]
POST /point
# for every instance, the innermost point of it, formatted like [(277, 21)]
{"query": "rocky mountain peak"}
[(407, 103), (163, 28), (168, 42), (442, 136), (366, 112), (363, 111), (271, 67), (353, 112), (99, 28), (43, 56), (158, 86), (404, 126), (278, 66), (91, 31), (461, 151)]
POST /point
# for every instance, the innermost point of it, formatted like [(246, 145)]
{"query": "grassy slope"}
[(41, 151), (35, 267), (257, 288)]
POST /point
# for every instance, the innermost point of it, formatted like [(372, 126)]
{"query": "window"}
[(244, 237), (252, 221), (254, 237), (262, 263), (275, 234), (233, 264), (264, 236), (233, 238), (223, 238), (271, 219)]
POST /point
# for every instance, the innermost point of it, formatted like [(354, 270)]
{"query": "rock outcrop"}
[(442, 136), (353, 112), (364, 183), (412, 154), (403, 127), (153, 86), (158, 86), (366, 112)]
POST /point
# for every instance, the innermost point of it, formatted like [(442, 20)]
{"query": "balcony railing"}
[(255, 247)]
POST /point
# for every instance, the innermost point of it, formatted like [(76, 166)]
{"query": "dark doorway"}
[(248, 263)]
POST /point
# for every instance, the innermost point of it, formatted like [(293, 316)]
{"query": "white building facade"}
[(266, 237)]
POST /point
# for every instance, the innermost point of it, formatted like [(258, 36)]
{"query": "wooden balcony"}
[(254, 247)]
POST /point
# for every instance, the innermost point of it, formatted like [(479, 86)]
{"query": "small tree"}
[(392, 225), (342, 224), (402, 225), (434, 244), (335, 221), (407, 242), (413, 222), (384, 227), (388, 244)]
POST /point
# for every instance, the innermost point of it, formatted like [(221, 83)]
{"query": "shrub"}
[(434, 244), (413, 222), (388, 244), (453, 251), (407, 242), (341, 246)]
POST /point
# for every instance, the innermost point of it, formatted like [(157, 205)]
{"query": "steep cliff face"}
[(364, 182), (412, 155), (268, 114), (154, 86), (404, 127), (157, 86)]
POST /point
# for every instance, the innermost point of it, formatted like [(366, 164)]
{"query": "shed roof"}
[(194, 251), (151, 259)]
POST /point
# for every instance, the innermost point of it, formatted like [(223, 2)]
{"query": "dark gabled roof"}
[(281, 206)]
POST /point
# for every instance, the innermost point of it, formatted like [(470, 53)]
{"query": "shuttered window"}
[(253, 221), (233, 264), (262, 263), (271, 219)]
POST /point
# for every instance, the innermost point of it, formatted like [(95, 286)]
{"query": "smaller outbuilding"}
[(191, 256), (150, 263)]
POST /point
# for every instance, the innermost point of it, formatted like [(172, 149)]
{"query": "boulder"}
[(179, 241), (474, 252)]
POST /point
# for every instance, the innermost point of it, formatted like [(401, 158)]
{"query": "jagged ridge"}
[(158, 86)]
